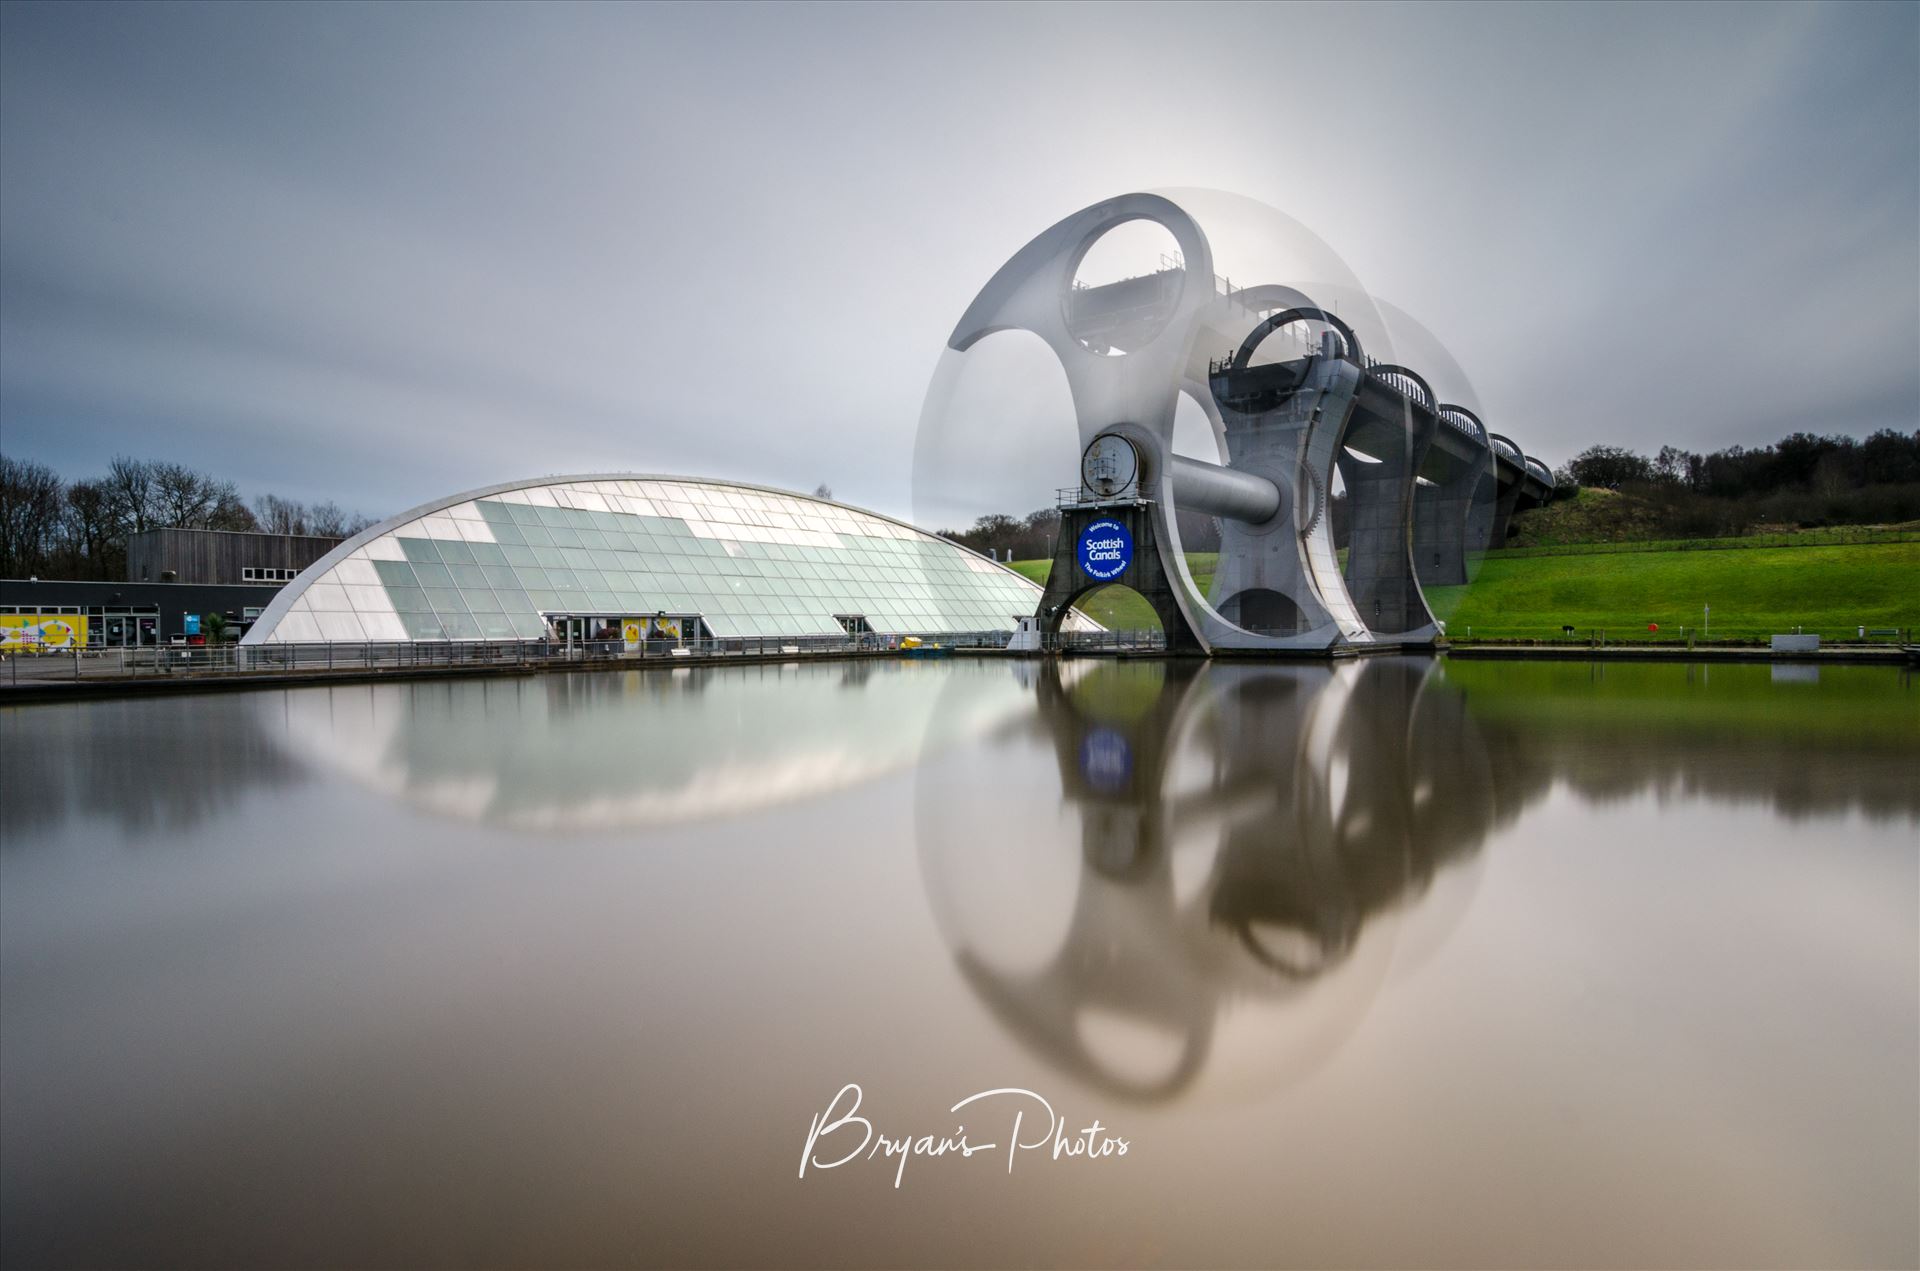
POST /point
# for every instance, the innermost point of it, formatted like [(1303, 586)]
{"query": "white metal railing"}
[(1135, 641), (217, 660)]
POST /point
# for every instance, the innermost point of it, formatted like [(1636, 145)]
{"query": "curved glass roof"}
[(492, 564)]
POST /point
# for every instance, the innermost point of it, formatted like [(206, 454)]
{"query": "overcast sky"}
[(379, 254)]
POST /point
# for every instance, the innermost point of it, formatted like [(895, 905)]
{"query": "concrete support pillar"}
[(1504, 503), (1440, 527), (1145, 572), (1380, 572)]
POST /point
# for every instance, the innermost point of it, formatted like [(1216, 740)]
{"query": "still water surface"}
[(1398, 962)]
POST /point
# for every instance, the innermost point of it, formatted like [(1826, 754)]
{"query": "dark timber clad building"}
[(221, 556), (173, 575)]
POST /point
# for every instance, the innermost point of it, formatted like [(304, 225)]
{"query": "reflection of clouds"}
[(611, 750), (1223, 892)]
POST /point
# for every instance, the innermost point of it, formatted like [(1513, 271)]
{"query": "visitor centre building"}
[(575, 557)]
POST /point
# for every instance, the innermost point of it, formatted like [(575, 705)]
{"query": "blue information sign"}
[(192, 623), (1106, 761), (1106, 549)]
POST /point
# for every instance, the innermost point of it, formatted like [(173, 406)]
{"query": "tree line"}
[(1032, 537), (53, 528), (1801, 480)]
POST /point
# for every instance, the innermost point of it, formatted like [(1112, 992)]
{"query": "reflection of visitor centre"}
[(571, 556)]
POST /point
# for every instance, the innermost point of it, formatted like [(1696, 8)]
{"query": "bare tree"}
[(131, 487), (182, 496), (229, 512), (30, 495), (276, 515), (823, 491), (328, 520), (93, 544)]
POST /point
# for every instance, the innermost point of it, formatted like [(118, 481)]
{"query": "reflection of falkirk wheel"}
[(1254, 842), (1426, 484)]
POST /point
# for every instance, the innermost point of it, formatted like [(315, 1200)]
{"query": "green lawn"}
[(1829, 590), (1754, 594), (1118, 608)]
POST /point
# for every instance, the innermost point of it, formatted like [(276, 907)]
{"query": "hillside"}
[(1754, 592), (1591, 516), (1598, 516)]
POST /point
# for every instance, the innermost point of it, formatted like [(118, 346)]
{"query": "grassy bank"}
[(1831, 590), (1118, 609), (1753, 594)]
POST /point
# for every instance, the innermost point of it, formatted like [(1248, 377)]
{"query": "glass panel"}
[(422, 626), (394, 573), (432, 575), (418, 549), (409, 599), (453, 552)]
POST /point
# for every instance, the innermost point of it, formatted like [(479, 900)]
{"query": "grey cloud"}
[(377, 253)]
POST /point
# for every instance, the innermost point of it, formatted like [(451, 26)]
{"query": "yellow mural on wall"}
[(43, 630)]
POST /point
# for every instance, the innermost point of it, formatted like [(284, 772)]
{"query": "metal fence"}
[(1105, 642), (1730, 635), (1838, 537), (255, 659)]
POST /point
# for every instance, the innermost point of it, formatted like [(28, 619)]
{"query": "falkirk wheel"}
[(1304, 392)]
